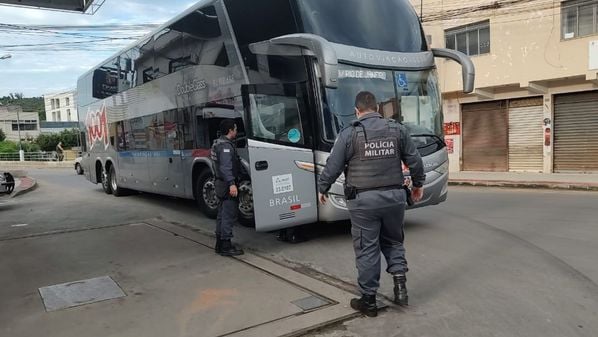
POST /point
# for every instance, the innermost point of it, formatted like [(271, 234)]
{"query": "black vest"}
[(376, 162), (214, 157)]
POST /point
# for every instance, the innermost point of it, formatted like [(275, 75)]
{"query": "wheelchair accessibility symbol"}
[(401, 79)]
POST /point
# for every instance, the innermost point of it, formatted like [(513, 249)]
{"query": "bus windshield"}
[(410, 97), (389, 25)]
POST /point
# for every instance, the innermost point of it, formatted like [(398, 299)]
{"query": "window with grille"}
[(579, 18), (472, 39)]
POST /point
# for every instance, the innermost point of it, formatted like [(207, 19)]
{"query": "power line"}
[(11, 28)]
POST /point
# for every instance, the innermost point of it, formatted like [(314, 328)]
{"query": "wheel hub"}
[(246, 199), (209, 194)]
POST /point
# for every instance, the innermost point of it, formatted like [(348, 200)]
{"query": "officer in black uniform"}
[(227, 167), (370, 152)]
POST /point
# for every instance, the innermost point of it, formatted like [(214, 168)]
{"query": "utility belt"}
[(351, 192)]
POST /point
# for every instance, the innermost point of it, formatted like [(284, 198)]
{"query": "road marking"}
[(20, 225)]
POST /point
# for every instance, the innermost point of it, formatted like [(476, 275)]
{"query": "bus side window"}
[(121, 141), (185, 119), (171, 130)]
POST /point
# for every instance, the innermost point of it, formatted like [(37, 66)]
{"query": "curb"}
[(26, 184), (525, 184)]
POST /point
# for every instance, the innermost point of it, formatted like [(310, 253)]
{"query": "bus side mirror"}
[(467, 67)]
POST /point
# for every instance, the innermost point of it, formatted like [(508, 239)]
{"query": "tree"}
[(2, 135), (69, 138), (47, 142), (33, 104)]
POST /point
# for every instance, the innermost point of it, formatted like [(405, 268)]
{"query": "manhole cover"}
[(310, 303), (72, 294)]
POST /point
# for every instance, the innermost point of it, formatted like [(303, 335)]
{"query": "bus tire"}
[(205, 194), (116, 190), (105, 181), (246, 216), (78, 169)]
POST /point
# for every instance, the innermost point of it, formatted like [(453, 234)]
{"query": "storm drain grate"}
[(72, 294), (310, 303)]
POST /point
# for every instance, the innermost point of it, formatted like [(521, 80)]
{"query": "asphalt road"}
[(488, 262)]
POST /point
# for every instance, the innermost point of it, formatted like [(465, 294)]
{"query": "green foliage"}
[(47, 142), (69, 138), (8, 146), (32, 104), (30, 147), (2, 135)]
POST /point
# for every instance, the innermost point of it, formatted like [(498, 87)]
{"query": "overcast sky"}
[(37, 70)]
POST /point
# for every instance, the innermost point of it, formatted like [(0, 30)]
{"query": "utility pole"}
[(21, 152), (421, 10)]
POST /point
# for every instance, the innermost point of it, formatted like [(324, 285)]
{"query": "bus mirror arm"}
[(467, 67), (320, 47)]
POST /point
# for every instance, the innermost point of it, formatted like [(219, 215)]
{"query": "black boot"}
[(218, 247), (228, 249), (400, 289), (366, 305)]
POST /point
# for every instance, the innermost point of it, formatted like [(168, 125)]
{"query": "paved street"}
[(488, 262)]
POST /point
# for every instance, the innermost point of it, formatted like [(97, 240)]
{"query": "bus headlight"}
[(442, 169)]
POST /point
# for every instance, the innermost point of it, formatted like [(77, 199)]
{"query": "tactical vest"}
[(215, 160), (376, 162)]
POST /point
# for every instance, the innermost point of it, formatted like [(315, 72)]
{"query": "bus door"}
[(281, 158)]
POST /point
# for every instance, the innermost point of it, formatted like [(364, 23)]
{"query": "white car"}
[(78, 167)]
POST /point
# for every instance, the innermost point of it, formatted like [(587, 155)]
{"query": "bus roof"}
[(188, 11)]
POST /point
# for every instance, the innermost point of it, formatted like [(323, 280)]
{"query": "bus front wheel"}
[(246, 204), (205, 194)]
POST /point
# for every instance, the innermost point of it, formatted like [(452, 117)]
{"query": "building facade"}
[(61, 107), (535, 106), (13, 120)]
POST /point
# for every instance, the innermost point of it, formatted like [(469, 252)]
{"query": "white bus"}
[(287, 71)]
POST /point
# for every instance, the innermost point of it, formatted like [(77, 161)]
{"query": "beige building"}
[(12, 118), (61, 107), (535, 106)]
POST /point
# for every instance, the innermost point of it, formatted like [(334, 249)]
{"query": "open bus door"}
[(281, 158)]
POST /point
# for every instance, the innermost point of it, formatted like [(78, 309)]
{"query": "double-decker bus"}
[(287, 71)]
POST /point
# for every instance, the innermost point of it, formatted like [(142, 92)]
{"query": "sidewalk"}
[(13, 165), (587, 182), (154, 279), (23, 183)]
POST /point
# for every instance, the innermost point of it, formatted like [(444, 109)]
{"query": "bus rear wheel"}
[(116, 190), (105, 180), (205, 194)]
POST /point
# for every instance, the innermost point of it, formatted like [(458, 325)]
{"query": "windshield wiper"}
[(431, 135)]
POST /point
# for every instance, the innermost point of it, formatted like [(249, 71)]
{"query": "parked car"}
[(78, 167)]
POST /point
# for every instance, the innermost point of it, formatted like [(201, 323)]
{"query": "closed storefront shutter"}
[(526, 147), (576, 133), (485, 137)]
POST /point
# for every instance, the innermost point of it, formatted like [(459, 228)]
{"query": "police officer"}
[(370, 152), (227, 167)]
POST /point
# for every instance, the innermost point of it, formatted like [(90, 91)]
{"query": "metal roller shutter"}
[(576, 133), (485, 137), (526, 147)]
